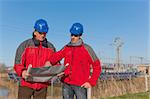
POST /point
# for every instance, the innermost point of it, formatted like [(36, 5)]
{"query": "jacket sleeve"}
[(50, 52), (96, 66), (20, 59), (57, 56), (96, 72)]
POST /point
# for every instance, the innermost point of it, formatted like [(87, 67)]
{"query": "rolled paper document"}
[(29, 67), (43, 73)]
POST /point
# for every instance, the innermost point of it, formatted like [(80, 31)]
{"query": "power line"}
[(117, 43)]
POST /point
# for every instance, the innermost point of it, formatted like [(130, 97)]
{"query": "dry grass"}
[(103, 89), (116, 88)]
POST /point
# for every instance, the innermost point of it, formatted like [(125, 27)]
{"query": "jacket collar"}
[(79, 43), (37, 42)]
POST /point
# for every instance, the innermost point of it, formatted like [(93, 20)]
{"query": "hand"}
[(67, 64), (47, 63), (25, 74), (60, 74), (86, 85)]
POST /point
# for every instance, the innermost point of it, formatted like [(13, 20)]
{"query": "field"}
[(112, 89), (143, 95)]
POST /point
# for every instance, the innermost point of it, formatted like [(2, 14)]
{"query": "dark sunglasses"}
[(75, 35), (42, 33)]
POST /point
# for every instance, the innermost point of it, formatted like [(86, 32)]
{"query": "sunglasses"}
[(75, 35)]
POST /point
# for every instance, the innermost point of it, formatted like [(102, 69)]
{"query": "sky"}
[(103, 21)]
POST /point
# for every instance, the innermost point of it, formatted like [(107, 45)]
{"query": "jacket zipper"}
[(39, 48), (71, 62)]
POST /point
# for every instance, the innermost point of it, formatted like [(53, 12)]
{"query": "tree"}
[(2, 67)]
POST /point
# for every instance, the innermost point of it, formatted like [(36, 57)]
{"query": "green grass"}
[(143, 95)]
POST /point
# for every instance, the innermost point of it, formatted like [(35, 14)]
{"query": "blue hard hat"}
[(41, 26), (76, 29)]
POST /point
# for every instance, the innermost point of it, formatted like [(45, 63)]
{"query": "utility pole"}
[(117, 43), (141, 59)]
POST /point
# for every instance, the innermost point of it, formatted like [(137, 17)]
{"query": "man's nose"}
[(72, 37), (43, 34)]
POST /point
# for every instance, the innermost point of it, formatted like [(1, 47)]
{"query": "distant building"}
[(112, 67), (10, 69), (107, 67), (144, 68)]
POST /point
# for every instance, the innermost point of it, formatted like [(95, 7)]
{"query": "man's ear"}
[(34, 33)]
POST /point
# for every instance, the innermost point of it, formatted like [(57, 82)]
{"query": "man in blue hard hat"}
[(80, 58), (35, 52)]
